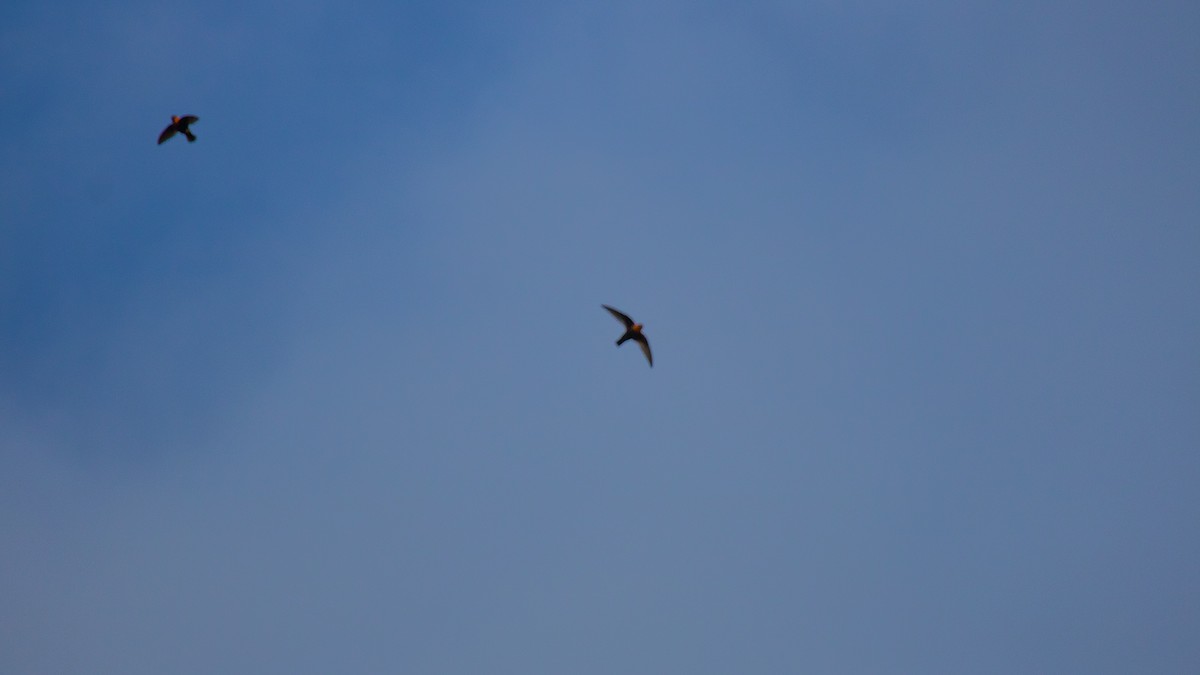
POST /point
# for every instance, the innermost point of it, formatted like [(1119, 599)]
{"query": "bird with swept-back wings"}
[(633, 331), (179, 125)]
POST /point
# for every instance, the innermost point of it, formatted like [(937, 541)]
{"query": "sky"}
[(331, 389)]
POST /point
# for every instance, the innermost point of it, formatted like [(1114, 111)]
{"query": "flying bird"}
[(633, 331), (179, 125)]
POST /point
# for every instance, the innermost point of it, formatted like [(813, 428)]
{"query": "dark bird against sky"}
[(633, 331), (179, 125)]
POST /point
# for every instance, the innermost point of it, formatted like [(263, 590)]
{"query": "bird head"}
[(637, 327), (174, 119)]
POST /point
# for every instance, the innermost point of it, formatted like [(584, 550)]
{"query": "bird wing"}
[(645, 345), (166, 133), (620, 317), (189, 119)]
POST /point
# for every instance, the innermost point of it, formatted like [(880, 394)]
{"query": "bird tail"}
[(190, 136)]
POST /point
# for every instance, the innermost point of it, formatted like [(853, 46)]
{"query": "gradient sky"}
[(331, 391)]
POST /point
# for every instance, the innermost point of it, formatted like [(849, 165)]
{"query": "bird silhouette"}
[(633, 331), (179, 125)]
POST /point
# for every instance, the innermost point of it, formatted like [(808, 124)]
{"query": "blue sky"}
[(331, 390)]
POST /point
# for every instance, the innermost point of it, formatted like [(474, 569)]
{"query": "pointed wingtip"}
[(619, 316)]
